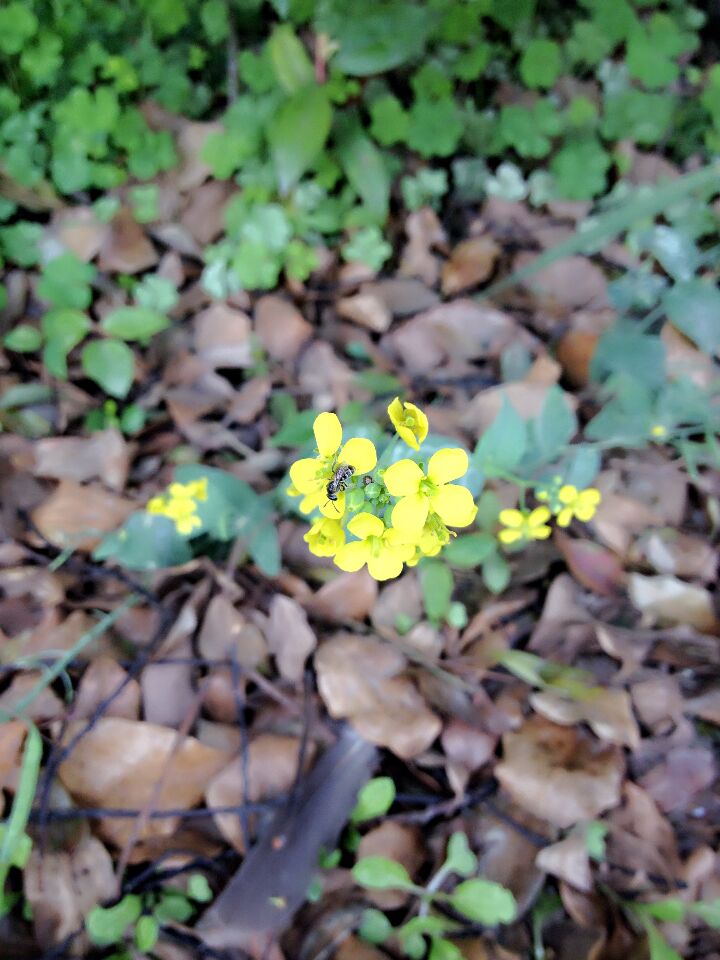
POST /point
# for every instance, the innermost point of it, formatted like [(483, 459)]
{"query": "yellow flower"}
[(577, 503), (383, 549), (409, 421), (325, 537), (422, 494), (524, 525), (658, 431), (311, 475), (179, 504)]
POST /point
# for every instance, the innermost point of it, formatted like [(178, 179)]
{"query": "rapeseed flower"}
[(420, 494), (311, 475), (524, 525), (179, 504), (409, 421), (383, 549), (582, 504), (325, 537), (658, 431)]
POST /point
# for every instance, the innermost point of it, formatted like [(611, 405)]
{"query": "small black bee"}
[(339, 481)]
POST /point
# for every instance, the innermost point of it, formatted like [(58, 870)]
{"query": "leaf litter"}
[(233, 714)]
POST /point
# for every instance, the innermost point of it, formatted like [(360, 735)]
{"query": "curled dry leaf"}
[(79, 230), (204, 216), (349, 596), (399, 598), (222, 337), (272, 767), (397, 842), (568, 860), (560, 773), (280, 327), (325, 376), (466, 750), (125, 248), (570, 282), (678, 554), (658, 702), (104, 455), (471, 263), (402, 296), (359, 679), (706, 706), (667, 600), (77, 516), (290, 637), (122, 761), (608, 713), (575, 352)]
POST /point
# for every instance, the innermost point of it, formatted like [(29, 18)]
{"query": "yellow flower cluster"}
[(179, 504), (566, 502), (384, 519)]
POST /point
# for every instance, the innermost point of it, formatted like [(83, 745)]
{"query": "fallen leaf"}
[(400, 843), (560, 772), (678, 554), (102, 678), (467, 749), (204, 216), (359, 679), (570, 282), (123, 760), (349, 596), (575, 352), (12, 737), (706, 706), (222, 337), (77, 516), (641, 841), (271, 767), (104, 455), (665, 599), (323, 375), (595, 567), (607, 712), (425, 233), (190, 143), (402, 296), (250, 400), (568, 860), (471, 263), (280, 327), (400, 599), (290, 637), (45, 705), (79, 231), (527, 398), (125, 247), (226, 632), (366, 310), (675, 782), (658, 703)]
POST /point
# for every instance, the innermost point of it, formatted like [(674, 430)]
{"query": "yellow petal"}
[(403, 478), (156, 505), (509, 536), (306, 475), (511, 518), (447, 465), (410, 513), (365, 525), (455, 505), (312, 501), (352, 556), (406, 434), (386, 565), (328, 433), (186, 525), (540, 533), (180, 491), (564, 517), (359, 453), (395, 411), (585, 510), (538, 516), (422, 425), (332, 509), (567, 494)]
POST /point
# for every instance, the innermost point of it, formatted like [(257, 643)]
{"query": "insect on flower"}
[(340, 478)]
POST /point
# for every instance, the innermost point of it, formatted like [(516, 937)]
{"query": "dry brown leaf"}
[(397, 842), (272, 767), (225, 631), (249, 401), (560, 772), (204, 216), (402, 296), (63, 887), (77, 516), (190, 143), (323, 375), (43, 587), (12, 737), (640, 839), (608, 713), (102, 678), (349, 596), (706, 706), (679, 554), (667, 600), (125, 248), (104, 455), (595, 567), (280, 327), (367, 310), (526, 398), (675, 782), (568, 860), (575, 351), (466, 749), (658, 702), (399, 598), (290, 637), (123, 760), (359, 679), (425, 234), (471, 263), (570, 282), (44, 706), (222, 337), (79, 230)]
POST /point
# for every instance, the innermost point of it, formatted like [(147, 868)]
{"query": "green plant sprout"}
[(430, 932)]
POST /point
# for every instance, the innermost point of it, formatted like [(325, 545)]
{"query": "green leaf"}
[(174, 905), (670, 910), (144, 201), (441, 949), (17, 24), (65, 282), (63, 329), (595, 833), (648, 115), (374, 799), (379, 873), (496, 573), (580, 167), (708, 911), (389, 120), (660, 949), (484, 901), (214, 18), (134, 323), (503, 445), (290, 62), (693, 306), (541, 63), (107, 925), (147, 930), (555, 427), (459, 857), (374, 36), (365, 169), (23, 339), (367, 246), (435, 127), (297, 134), (436, 583), (374, 926), (156, 293), (20, 243), (469, 550), (640, 357), (145, 542), (111, 364), (198, 888)]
